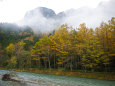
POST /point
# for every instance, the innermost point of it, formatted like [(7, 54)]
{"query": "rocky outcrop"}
[(6, 77)]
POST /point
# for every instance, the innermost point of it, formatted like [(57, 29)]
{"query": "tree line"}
[(67, 48)]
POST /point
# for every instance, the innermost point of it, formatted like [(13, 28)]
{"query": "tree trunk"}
[(54, 61), (49, 62), (45, 63), (71, 65)]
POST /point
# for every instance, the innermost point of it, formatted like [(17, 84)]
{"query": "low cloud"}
[(41, 20), (91, 16)]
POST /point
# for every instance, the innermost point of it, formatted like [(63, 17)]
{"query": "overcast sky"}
[(14, 10)]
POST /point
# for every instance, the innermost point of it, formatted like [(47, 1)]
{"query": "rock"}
[(6, 77)]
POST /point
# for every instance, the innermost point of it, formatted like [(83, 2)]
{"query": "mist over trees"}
[(66, 48)]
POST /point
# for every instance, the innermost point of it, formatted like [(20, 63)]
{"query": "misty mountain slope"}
[(40, 11), (12, 33), (8, 27), (43, 19), (61, 15)]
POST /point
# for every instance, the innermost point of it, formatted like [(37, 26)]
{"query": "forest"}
[(66, 48)]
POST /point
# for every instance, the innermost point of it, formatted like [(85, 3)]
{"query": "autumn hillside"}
[(66, 49)]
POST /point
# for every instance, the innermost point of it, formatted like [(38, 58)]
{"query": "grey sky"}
[(14, 10)]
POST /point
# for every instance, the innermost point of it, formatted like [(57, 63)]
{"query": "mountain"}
[(43, 19), (45, 12)]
